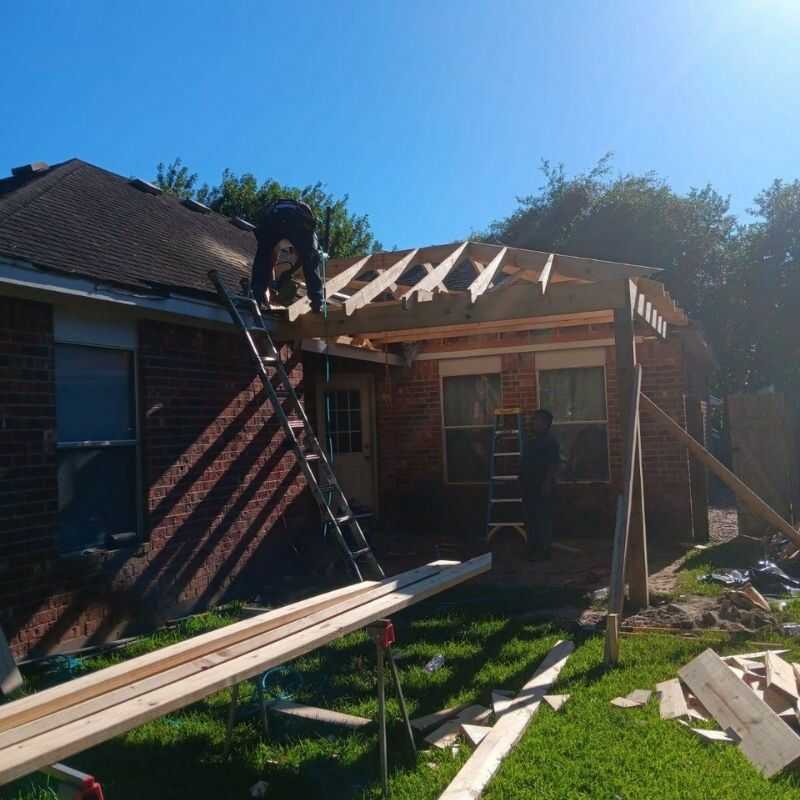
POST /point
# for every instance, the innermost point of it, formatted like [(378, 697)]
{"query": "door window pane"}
[(470, 399), (94, 394), (573, 394), (468, 454), (96, 496), (343, 421)]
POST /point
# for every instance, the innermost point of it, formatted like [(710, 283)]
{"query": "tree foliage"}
[(740, 281), (244, 196)]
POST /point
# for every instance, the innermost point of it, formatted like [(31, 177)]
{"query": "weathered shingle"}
[(78, 218)]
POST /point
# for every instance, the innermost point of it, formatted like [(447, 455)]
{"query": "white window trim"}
[(491, 365), (93, 328), (578, 360)]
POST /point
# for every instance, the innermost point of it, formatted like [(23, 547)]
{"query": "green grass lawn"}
[(587, 750)]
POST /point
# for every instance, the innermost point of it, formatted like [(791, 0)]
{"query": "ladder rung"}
[(353, 517), (296, 423), (507, 453), (506, 500), (503, 524), (505, 477), (362, 552), (310, 456), (268, 359)]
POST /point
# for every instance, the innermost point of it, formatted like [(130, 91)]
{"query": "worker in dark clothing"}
[(540, 460), (287, 240)]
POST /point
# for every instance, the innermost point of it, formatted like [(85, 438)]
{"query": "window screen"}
[(97, 445), (577, 399), (469, 402)]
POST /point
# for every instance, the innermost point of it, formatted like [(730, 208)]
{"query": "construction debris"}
[(474, 734), (672, 703), (445, 735), (556, 701), (634, 699)]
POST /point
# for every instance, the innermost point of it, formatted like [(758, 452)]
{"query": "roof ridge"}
[(27, 193)]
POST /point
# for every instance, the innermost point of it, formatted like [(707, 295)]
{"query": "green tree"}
[(244, 196)]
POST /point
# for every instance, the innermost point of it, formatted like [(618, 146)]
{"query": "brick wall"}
[(221, 493)]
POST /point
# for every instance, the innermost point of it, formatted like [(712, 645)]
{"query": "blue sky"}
[(432, 115)]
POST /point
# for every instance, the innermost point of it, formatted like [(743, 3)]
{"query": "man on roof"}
[(287, 241)]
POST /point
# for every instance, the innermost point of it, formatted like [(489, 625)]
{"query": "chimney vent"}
[(144, 186), (243, 224), (29, 169)]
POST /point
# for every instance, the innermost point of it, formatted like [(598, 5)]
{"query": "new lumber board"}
[(672, 701), (301, 711), (316, 630), (475, 774), (766, 740), (156, 680), (88, 686)]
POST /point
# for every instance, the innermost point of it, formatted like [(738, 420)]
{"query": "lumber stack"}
[(48, 726), (753, 698)]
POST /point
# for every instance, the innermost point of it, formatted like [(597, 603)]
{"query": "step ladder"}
[(337, 515), (505, 507)]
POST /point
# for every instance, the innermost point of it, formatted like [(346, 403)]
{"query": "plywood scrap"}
[(501, 702), (445, 735), (474, 715), (315, 714), (672, 701), (748, 664), (429, 721), (716, 736), (555, 701), (624, 702), (479, 768), (474, 734), (634, 699), (769, 744), (753, 656), (781, 676)]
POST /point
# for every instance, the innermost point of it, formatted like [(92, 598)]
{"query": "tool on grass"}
[(74, 784), (505, 485), (382, 634)]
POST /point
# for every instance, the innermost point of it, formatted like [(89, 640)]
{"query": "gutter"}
[(26, 280)]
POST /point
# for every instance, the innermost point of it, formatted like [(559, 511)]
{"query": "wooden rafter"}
[(437, 275), (376, 286), (544, 275), (481, 283), (332, 286)]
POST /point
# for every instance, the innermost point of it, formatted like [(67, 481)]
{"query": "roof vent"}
[(29, 169), (145, 186), (243, 224), (195, 205)]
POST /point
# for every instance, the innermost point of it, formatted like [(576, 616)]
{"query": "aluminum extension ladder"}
[(505, 485), (337, 516)]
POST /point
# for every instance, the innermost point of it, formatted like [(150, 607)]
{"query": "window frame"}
[(591, 364), (91, 444), (469, 367)]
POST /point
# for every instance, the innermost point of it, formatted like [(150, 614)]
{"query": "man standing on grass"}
[(540, 459)]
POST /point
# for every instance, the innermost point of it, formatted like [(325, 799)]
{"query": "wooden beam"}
[(300, 711), (544, 275), (485, 760), (524, 302), (331, 286), (297, 638), (481, 283), (377, 285), (635, 558), (734, 483), (435, 277), (769, 743)]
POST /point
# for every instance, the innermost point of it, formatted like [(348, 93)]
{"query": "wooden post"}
[(636, 562)]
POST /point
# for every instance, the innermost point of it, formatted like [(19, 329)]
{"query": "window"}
[(97, 445), (343, 421), (468, 403), (577, 399)]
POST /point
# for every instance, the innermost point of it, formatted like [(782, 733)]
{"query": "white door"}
[(345, 422)]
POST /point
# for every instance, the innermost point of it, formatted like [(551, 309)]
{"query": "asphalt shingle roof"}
[(78, 218)]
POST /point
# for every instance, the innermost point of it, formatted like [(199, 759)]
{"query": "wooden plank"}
[(437, 718), (435, 277), (766, 740), (780, 676), (714, 736), (75, 691), (474, 734), (445, 735), (556, 701), (485, 760), (544, 276), (315, 714), (754, 656), (474, 714), (332, 285), (640, 696), (91, 698), (523, 302), (672, 701), (737, 486), (624, 702), (372, 289), (481, 283), (501, 703), (298, 638), (10, 677)]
